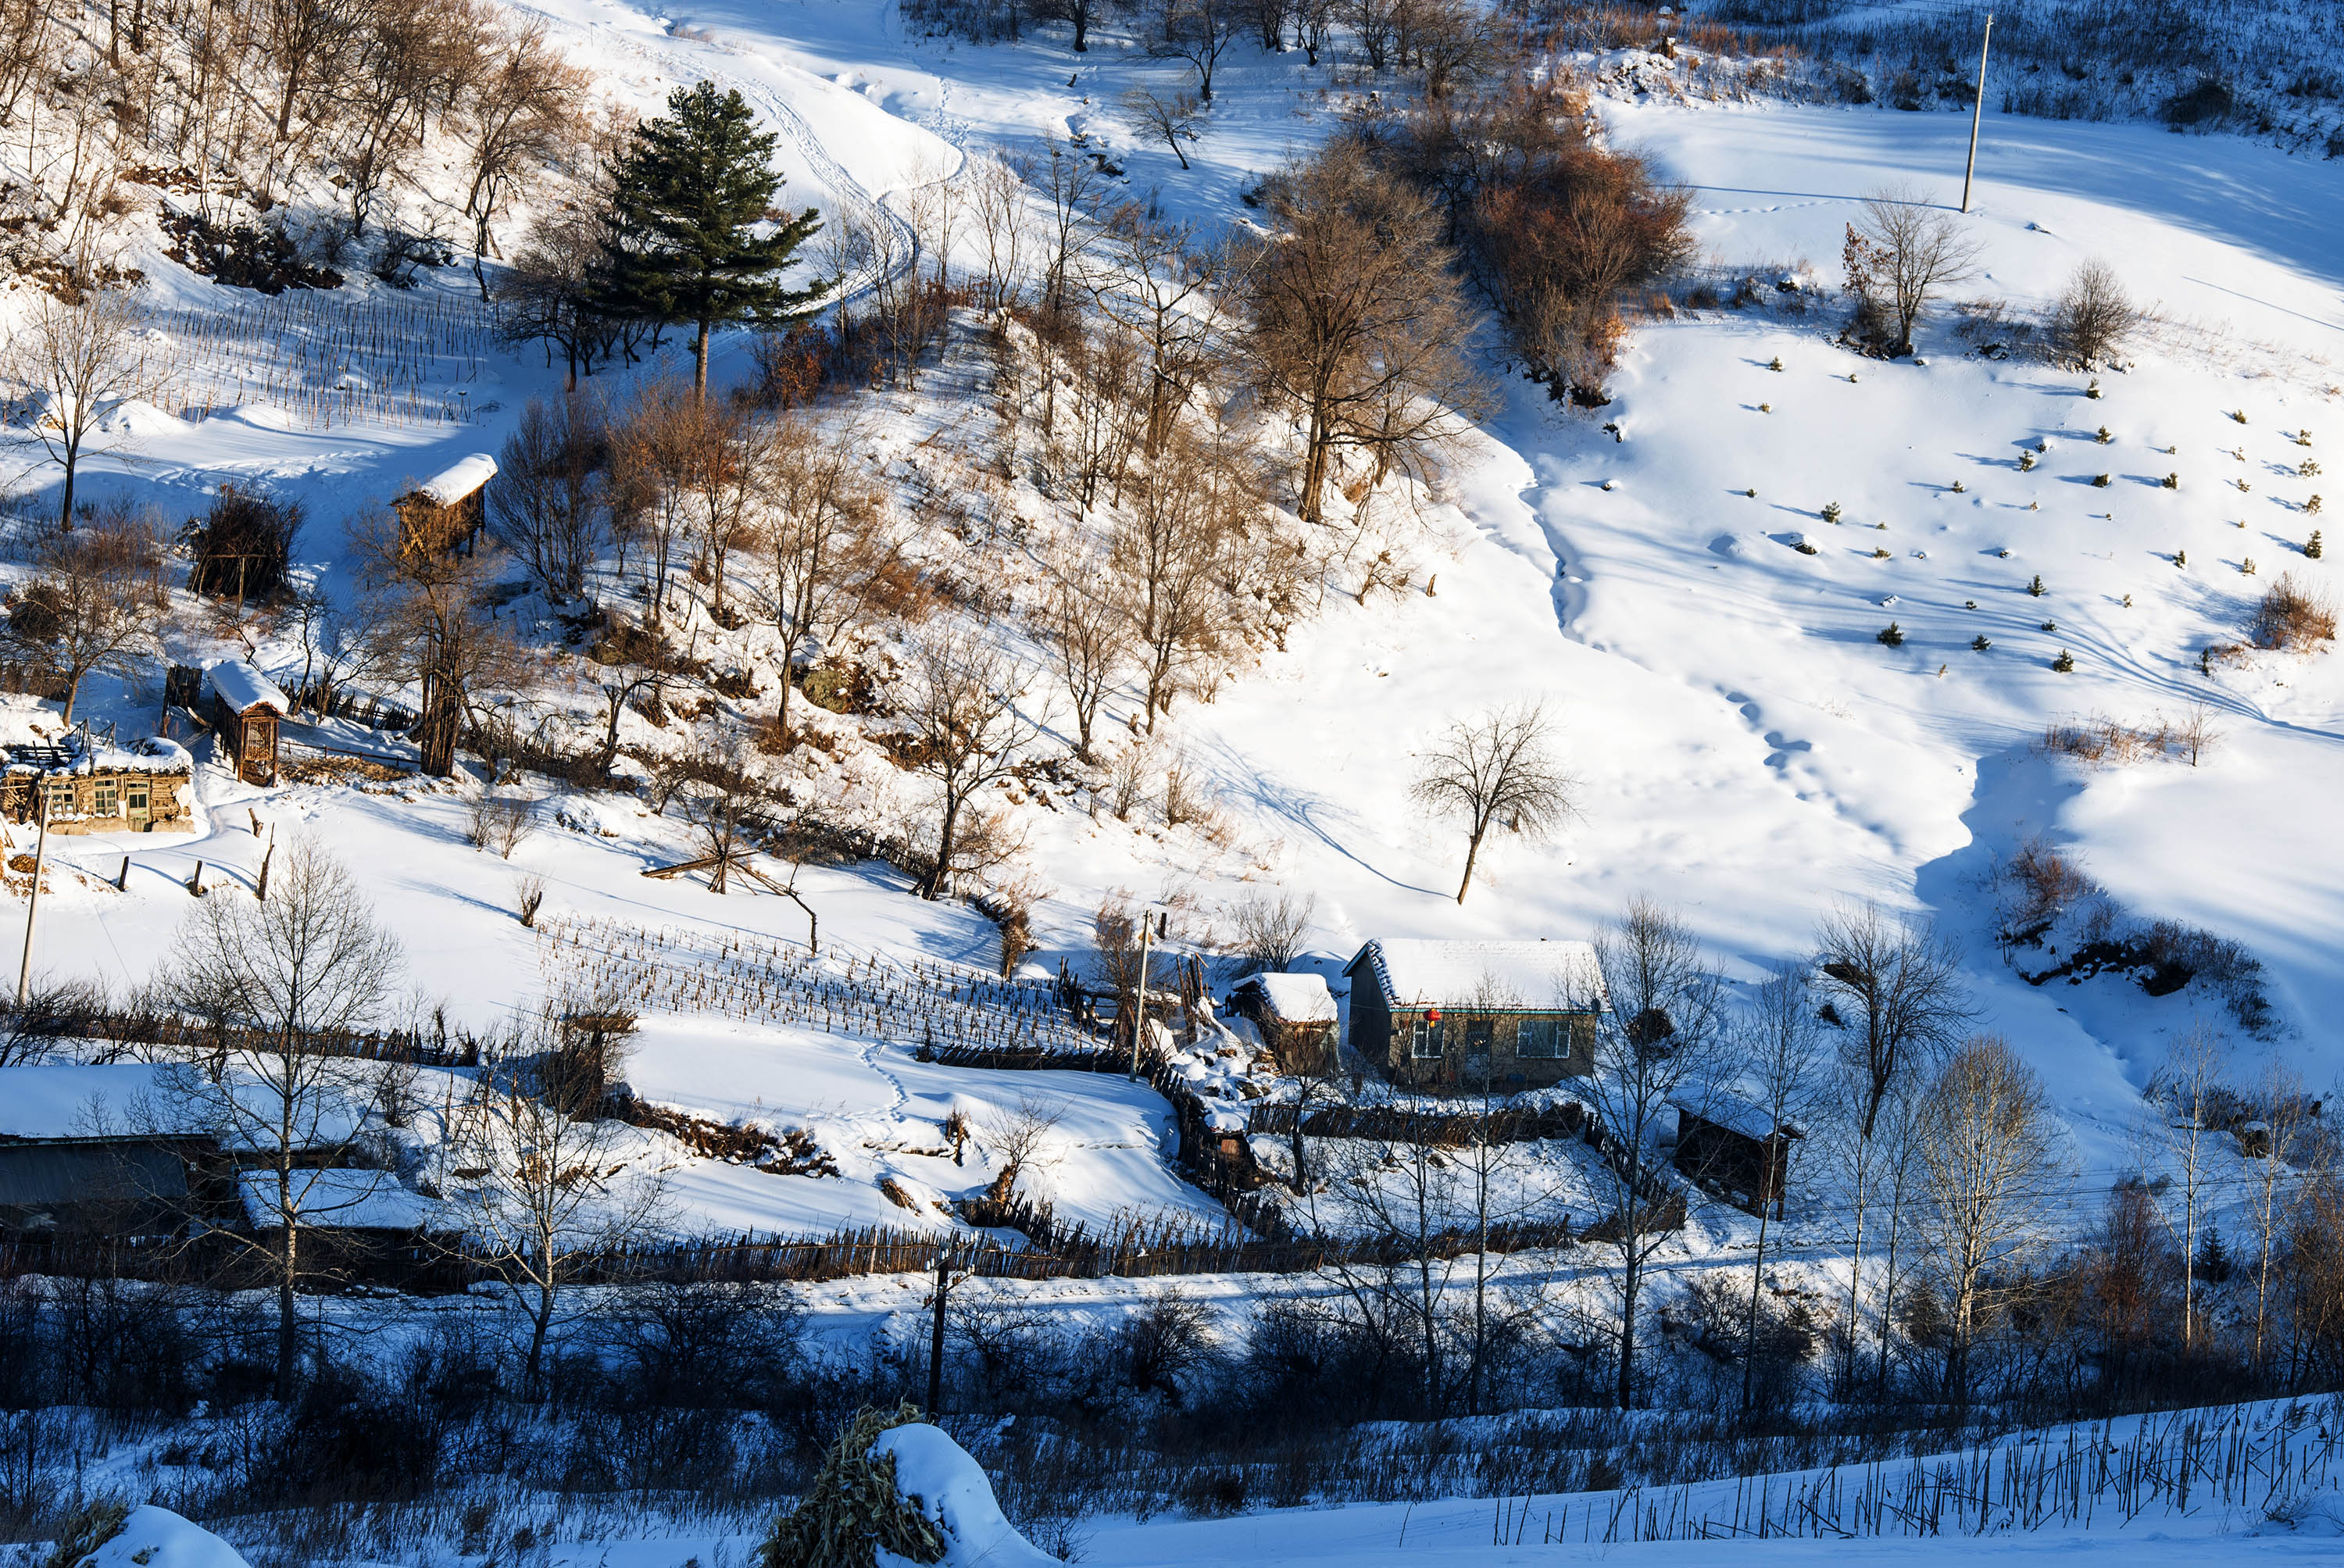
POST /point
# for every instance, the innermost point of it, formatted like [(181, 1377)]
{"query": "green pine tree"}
[(688, 194)]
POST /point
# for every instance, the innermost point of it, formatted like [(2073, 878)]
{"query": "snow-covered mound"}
[(154, 1537), (936, 1475)]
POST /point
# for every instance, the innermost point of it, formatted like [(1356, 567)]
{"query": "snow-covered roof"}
[(1724, 1108), (244, 688), (1296, 999), (358, 1200), (1503, 976), (458, 480)]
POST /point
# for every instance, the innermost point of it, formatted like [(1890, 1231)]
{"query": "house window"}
[(101, 798), (61, 798), (1478, 1033), (1539, 1039), (1423, 1039), (134, 799)]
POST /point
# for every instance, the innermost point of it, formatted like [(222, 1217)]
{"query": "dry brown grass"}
[(2106, 742), (2292, 618)]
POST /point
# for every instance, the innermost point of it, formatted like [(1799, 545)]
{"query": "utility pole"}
[(1148, 918), (1978, 111), (33, 909), (937, 1331)]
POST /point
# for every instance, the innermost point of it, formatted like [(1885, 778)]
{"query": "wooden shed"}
[(1504, 1016), (1733, 1146), (1296, 1017), (245, 708), (446, 512), (101, 788)]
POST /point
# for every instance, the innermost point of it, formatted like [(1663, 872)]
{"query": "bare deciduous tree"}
[(726, 811), (539, 1193), (1088, 632), (80, 361), (1019, 1135), (1902, 978), (430, 621), (1659, 1033), (1498, 768), (997, 207), (1165, 551), (1358, 318), (960, 705), (282, 974), (822, 538), (2178, 1131), (95, 605), (1996, 1162), (1903, 252), (1170, 117), (546, 503), (2286, 1136), (1781, 1058), (2094, 315), (1199, 32)]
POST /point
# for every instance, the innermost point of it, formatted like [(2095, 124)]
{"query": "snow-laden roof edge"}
[(1296, 999), (1727, 1109), (459, 478), (244, 688), (1532, 976)]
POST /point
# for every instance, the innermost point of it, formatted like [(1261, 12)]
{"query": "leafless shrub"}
[(2093, 317), (500, 821), (1181, 799), (2045, 881), (1128, 779), (1270, 931), (529, 895), (2292, 617)]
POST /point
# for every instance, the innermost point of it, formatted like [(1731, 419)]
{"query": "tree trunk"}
[(1749, 1324), (700, 362), (1472, 849), (288, 1322), (1631, 1280), (65, 504), (541, 1322), (943, 871)]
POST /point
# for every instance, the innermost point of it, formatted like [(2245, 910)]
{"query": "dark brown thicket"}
[(1558, 231)]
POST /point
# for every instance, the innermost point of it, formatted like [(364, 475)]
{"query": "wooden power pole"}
[(1978, 111), (32, 908)]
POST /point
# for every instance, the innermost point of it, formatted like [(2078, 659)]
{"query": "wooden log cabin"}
[(244, 708), (1732, 1146), (145, 788), (1465, 1015), (1296, 1017), (445, 513)]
